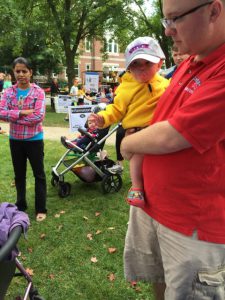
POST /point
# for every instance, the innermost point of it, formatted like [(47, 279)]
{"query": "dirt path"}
[(54, 133)]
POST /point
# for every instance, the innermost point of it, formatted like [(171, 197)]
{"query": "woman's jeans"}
[(34, 151)]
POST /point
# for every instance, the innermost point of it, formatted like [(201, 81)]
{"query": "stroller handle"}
[(87, 134), (7, 248)]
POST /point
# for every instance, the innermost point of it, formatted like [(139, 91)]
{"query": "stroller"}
[(8, 257), (87, 166)]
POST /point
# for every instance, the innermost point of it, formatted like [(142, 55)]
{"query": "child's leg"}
[(136, 171), (136, 193)]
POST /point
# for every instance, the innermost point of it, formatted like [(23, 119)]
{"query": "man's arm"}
[(157, 139)]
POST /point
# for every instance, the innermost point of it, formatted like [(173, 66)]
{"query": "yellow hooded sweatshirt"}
[(134, 102)]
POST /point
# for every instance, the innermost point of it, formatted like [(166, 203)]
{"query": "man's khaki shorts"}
[(192, 269)]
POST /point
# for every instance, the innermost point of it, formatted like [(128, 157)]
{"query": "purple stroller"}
[(12, 224)]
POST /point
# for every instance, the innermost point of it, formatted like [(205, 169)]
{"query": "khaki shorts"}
[(191, 269)]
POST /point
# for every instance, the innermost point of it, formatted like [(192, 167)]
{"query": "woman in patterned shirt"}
[(23, 106)]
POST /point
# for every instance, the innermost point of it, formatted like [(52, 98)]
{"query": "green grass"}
[(58, 250), (54, 119)]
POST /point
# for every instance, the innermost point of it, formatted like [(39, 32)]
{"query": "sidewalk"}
[(54, 133)]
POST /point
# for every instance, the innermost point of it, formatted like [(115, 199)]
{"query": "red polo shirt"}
[(185, 191)]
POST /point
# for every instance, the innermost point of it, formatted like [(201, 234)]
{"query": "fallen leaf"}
[(112, 250), (89, 236), (97, 214), (62, 212), (51, 276), (85, 218), (98, 232), (23, 258), (60, 227), (111, 277), (111, 228), (42, 236), (30, 250), (30, 271), (133, 284), (57, 216), (94, 259)]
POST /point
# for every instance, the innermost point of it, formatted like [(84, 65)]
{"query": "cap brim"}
[(153, 59)]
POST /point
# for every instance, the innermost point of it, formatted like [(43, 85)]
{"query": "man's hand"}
[(124, 152), (97, 120), (26, 112)]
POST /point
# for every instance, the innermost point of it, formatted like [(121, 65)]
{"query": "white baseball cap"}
[(145, 48)]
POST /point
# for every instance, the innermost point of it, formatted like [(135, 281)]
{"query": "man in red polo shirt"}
[(178, 241)]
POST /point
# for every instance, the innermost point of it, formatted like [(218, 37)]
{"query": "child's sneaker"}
[(135, 197), (116, 169)]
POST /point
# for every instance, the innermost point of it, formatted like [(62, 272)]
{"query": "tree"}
[(76, 20), (23, 37)]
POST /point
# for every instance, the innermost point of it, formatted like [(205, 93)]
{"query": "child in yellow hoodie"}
[(135, 101)]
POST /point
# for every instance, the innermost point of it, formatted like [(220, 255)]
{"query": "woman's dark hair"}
[(23, 61)]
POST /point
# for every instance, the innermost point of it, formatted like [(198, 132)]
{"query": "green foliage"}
[(49, 32), (54, 119)]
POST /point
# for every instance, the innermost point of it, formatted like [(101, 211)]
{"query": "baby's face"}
[(91, 125), (143, 70)]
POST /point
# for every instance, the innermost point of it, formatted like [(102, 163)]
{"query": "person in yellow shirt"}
[(135, 101)]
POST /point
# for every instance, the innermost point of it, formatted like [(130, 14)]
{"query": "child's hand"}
[(97, 120)]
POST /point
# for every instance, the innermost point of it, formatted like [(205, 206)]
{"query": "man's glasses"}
[(170, 23)]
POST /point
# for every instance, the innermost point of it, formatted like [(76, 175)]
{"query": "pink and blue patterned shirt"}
[(23, 127)]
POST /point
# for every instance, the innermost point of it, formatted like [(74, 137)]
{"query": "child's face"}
[(91, 125), (143, 70)]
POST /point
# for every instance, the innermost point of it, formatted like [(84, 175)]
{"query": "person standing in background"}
[(2, 76), (23, 106), (74, 94), (178, 58), (54, 90), (7, 81)]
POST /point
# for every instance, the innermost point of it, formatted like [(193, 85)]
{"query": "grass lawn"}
[(78, 228), (54, 119)]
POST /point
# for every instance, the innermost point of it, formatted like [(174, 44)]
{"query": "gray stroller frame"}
[(110, 182), (8, 268)]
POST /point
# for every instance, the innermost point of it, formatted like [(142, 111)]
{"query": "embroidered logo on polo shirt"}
[(193, 85)]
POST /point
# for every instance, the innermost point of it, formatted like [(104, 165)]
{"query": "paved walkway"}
[(54, 133)]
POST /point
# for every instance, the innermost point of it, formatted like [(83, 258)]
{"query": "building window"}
[(87, 44), (112, 46), (88, 67), (76, 70)]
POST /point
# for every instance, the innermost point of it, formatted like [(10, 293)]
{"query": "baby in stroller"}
[(82, 140)]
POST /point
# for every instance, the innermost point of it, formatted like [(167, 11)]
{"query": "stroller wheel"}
[(33, 295), (64, 189), (111, 183), (54, 181)]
